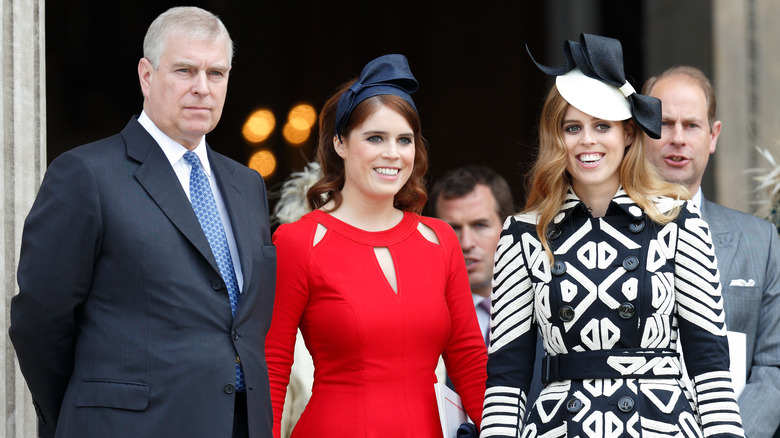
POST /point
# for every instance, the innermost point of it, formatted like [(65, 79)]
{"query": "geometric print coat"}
[(610, 309)]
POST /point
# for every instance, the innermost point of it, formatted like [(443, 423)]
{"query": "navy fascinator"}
[(388, 74), (593, 81)]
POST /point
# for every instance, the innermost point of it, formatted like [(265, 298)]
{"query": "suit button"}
[(566, 313), (558, 268), (636, 226), (626, 404), (217, 284), (630, 263), (235, 335), (553, 232), (229, 388), (626, 310), (574, 405)]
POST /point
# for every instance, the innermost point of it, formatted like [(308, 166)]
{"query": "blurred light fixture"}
[(259, 125), (264, 162), (300, 121)]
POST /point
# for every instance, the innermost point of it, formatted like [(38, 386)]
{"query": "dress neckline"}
[(397, 233)]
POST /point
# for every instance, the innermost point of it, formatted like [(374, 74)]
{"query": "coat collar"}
[(621, 204)]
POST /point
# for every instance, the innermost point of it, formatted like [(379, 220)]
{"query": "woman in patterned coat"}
[(613, 268)]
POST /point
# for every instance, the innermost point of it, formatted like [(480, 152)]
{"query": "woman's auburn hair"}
[(549, 180), (411, 197)]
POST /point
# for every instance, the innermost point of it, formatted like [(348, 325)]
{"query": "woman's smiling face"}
[(378, 156), (594, 150)]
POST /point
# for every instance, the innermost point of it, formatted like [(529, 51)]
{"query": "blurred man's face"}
[(686, 142), (476, 222)]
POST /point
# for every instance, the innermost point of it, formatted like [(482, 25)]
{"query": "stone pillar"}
[(23, 139), (747, 82)]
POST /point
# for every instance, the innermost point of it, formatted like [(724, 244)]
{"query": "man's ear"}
[(145, 70), (714, 133)]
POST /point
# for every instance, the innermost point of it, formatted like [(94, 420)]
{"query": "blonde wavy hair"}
[(549, 180)]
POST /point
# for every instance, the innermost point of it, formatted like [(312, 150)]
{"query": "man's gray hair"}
[(186, 21)]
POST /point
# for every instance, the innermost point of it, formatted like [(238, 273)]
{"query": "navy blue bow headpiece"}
[(610, 96), (388, 74)]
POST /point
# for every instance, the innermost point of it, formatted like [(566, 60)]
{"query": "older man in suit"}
[(747, 248), (147, 272)]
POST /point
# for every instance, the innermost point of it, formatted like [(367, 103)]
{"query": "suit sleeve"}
[(293, 247), (465, 356), (60, 243), (512, 338), (760, 399), (702, 325)]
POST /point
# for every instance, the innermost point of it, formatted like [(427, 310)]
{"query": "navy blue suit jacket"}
[(122, 325)]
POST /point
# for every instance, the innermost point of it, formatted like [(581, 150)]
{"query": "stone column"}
[(23, 139), (747, 83)]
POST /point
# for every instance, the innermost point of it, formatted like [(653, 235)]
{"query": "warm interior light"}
[(294, 135), (302, 116), (264, 162), (259, 125), (300, 120)]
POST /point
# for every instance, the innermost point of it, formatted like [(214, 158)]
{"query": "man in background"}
[(475, 201), (747, 248)]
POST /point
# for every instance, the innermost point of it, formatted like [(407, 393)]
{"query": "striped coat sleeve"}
[(513, 333), (702, 325)]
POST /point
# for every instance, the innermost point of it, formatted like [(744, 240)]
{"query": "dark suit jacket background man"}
[(123, 325), (475, 201), (747, 248)]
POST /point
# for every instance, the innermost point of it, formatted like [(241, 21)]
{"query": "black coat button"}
[(229, 389), (553, 232), (566, 313), (558, 268), (626, 404), (636, 226), (235, 335), (630, 263), (574, 405), (217, 284), (626, 310)]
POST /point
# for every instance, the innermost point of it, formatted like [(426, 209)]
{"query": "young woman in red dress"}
[(378, 291)]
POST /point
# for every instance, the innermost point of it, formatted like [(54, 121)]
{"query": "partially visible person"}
[(747, 248), (475, 201), (146, 274), (379, 292), (612, 266)]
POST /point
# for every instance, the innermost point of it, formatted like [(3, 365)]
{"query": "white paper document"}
[(451, 412)]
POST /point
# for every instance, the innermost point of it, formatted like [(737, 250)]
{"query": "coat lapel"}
[(724, 241), (234, 203), (159, 180)]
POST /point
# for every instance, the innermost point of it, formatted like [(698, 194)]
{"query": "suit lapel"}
[(235, 204), (159, 180), (725, 241)]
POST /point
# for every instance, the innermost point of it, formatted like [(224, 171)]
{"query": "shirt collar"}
[(173, 150), (697, 198)]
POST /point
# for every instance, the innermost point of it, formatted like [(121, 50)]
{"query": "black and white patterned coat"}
[(610, 309)]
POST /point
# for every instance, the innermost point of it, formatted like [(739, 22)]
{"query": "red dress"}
[(374, 350)]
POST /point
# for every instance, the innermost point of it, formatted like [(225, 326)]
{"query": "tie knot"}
[(485, 304), (192, 158)]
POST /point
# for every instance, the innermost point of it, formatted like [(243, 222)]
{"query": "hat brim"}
[(593, 97)]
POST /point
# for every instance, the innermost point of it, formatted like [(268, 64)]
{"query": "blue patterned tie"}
[(202, 200)]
